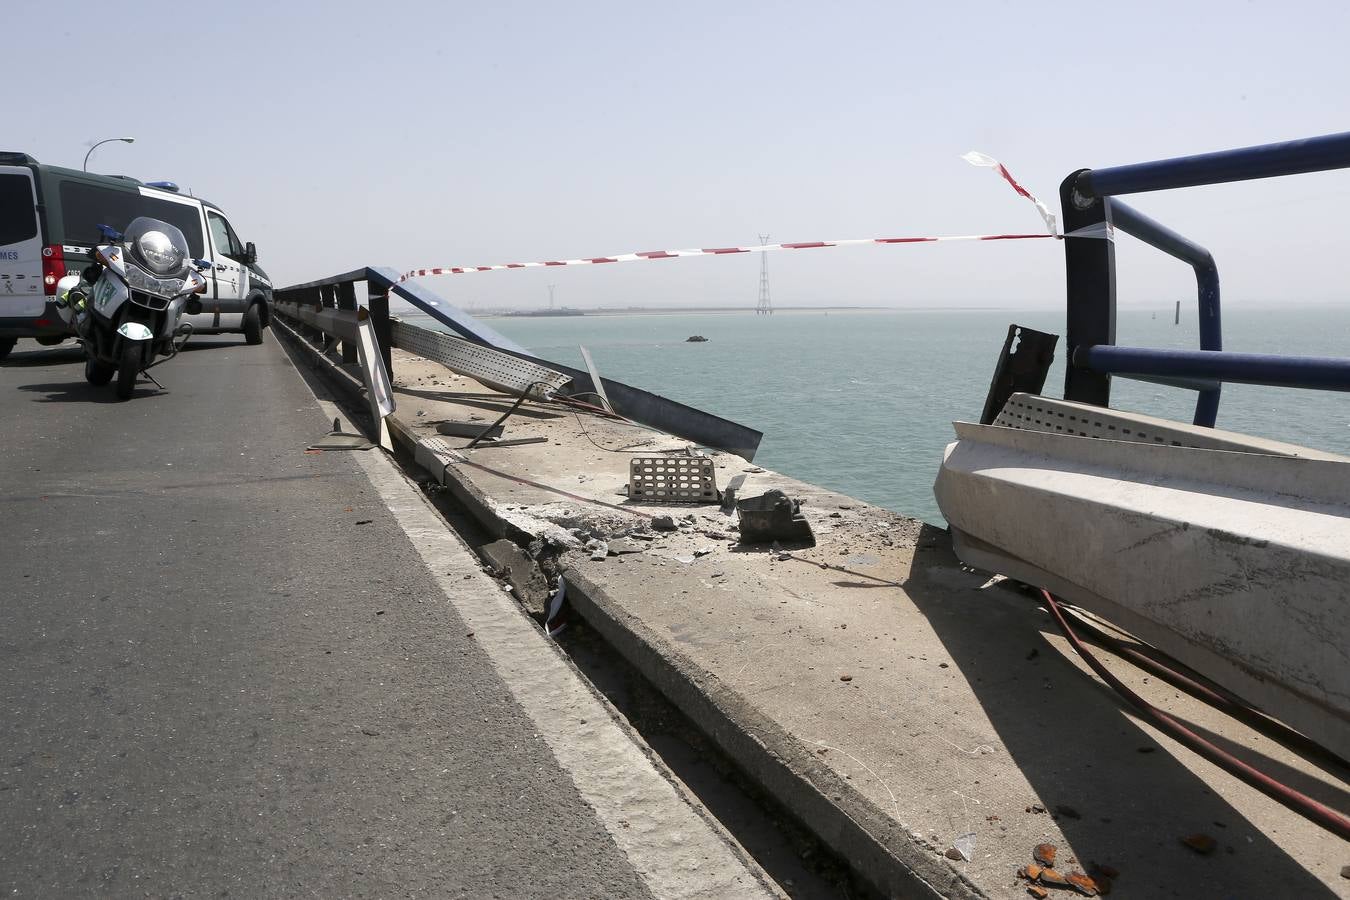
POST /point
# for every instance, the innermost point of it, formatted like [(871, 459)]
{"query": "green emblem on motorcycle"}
[(103, 293)]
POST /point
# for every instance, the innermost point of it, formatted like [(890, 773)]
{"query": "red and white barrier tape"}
[(974, 158), (983, 160), (719, 251)]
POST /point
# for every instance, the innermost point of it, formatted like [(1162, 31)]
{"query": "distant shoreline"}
[(708, 310)]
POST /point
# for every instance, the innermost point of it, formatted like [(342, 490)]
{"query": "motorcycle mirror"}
[(110, 234)]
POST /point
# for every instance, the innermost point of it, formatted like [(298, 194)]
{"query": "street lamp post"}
[(105, 141)]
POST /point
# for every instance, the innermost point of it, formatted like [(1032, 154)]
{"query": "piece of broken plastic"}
[(341, 440)]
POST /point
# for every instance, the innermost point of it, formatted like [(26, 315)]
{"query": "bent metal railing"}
[(330, 306), (1088, 200)]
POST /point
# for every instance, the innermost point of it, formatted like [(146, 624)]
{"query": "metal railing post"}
[(346, 299), (377, 300), (315, 298), (1090, 279)]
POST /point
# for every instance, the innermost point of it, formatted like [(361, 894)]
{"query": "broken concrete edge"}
[(333, 376), (465, 492), (877, 847), (528, 583)]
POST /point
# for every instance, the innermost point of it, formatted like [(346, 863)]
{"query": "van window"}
[(222, 235), (18, 222), (84, 207)]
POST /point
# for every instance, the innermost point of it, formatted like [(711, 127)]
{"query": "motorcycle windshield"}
[(157, 246)]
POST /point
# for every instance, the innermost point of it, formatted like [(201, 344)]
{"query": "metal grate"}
[(672, 479), (1031, 412), (491, 368)]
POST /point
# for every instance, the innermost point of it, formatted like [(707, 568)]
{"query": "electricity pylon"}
[(765, 306)]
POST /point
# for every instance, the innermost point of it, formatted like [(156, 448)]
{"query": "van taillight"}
[(53, 268)]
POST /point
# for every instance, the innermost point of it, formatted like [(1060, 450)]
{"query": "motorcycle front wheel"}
[(96, 372), (128, 369)]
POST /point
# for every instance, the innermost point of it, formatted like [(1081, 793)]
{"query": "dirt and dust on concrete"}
[(925, 721)]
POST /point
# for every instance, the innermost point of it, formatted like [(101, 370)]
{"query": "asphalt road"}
[(223, 669)]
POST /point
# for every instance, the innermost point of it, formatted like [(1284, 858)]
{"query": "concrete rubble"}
[(925, 720)]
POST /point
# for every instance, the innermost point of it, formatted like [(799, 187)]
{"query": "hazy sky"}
[(339, 134)]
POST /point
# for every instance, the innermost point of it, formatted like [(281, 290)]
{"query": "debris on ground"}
[(1200, 843), (773, 516), (664, 523), (1051, 877), (1083, 884), (964, 845), (1104, 876), (1041, 874), (508, 561)]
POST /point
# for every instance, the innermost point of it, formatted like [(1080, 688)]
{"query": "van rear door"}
[(21, 293)]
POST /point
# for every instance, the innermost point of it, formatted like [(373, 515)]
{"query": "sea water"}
[(862, 401)]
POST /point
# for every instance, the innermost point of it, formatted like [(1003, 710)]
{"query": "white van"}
[(49, 218)]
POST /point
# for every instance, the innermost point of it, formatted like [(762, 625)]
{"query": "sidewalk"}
[(929, 725)]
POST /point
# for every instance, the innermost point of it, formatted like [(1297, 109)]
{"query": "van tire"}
[(128, 369), (6, 345), (253, 329), (97, 373)]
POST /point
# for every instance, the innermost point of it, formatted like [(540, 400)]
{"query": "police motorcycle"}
[(126, 307)]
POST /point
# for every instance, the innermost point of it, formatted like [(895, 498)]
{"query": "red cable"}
[(1215, 695), (1300, 803)]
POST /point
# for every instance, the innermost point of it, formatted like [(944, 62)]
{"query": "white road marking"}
[(676, 851)]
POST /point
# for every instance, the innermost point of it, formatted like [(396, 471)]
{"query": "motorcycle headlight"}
[(159, 252)]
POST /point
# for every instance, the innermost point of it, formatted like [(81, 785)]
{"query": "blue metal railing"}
[(1132, 222), (1315, 154), (1086, 196)]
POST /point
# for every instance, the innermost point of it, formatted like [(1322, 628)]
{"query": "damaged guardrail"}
[(356, 330), (330, 306)]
